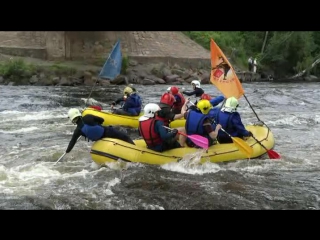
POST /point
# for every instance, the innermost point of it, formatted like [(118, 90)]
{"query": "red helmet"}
[(167, 98), (205, 97), (174, 90)]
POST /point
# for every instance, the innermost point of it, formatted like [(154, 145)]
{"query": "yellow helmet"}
[(127, 90), (232, 102), (204, 106)]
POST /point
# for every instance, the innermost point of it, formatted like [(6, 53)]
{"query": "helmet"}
[(150, 109), (206, 96), (204, 106), (174, 90), (127, 90), (167, 98), (196, 83), (232, 102), (168, 89), (73, 113)]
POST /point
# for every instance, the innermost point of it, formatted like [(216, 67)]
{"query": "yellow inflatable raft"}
[(125, 121), (110, 150)]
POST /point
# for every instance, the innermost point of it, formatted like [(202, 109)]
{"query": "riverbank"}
[(31, 71)]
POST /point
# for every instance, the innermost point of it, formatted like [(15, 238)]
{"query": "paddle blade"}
[(199, 141), (243, 146), (273, 155)]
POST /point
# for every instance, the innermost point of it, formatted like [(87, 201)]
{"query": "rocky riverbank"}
[(27, 71), (20, 72)]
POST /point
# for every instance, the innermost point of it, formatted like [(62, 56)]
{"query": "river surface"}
[(35, 132)]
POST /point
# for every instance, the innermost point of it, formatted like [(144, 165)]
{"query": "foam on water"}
[(190, 164), (22, 130)]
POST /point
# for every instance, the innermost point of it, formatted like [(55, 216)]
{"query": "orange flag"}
[(223, 75)]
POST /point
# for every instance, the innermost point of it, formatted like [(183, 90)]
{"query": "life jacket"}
[(213, 115), (178, 105), (137, 103), (194, 125), (93, 133), (224, 119), (148, 133)]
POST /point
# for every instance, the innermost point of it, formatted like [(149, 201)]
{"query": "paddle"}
[(64, 154), (241, 144), (196, 139), (272, 154)]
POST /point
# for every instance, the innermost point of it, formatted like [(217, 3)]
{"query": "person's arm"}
[(184, 107), (216, 101), (213, 133), (189, 93), (163, 132), (236, 120), (75, 136)]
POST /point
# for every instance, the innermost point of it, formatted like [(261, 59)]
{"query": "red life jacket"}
[(148, 133), (178, 105)]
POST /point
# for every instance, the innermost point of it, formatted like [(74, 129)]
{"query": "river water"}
[(35, 132)]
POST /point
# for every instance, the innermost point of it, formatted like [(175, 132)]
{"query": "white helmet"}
[(73, 113), (149, 110), (168, 89), (196, 83)]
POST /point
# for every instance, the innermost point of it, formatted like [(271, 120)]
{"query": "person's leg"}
[(111, 132), (122, 112)]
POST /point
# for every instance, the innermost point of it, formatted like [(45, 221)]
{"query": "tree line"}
[(281, 52)]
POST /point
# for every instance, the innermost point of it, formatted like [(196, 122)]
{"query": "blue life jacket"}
[(213, 114), (93, 133), (194, 123), (224, 119), (133, 104)]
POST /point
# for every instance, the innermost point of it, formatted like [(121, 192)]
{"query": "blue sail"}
[(112, 67)]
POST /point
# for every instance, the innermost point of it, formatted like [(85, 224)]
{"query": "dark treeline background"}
[(280, 53)]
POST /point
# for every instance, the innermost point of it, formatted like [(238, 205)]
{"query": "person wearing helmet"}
[(230, 121), (121, 99), (132, 104), (166, 102), (90, 127), (152, 131), (169, 90), (197, 90), (199, 123), (179, 100), (214, 101)]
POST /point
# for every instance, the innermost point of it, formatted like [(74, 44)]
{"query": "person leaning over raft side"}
[(132, 105), (152, 131), (230, 121), (198, 123), (90, 127)]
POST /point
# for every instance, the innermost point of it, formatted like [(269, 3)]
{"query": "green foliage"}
[(15, 67), (61, 70), (125, 64), (286, 53)]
